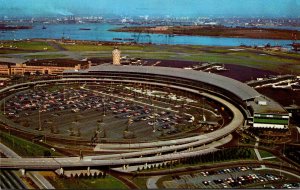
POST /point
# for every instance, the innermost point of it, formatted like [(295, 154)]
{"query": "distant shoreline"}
[(216, 31), (5, 27)]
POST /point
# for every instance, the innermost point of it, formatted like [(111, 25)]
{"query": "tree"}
[(71, 131), (56, 130), (78, 132), (52, 129), (47, 153), (26, 123), (104, 133)]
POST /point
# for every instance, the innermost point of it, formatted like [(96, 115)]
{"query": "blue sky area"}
[(173, 8)]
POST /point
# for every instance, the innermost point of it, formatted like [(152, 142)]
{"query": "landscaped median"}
[(26, 148)]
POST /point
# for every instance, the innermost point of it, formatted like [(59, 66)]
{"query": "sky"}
[(172, 8)]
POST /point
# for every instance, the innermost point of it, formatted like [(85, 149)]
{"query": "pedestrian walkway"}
[(257, 152)]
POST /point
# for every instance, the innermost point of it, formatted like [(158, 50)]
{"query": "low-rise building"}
[(42, 67)]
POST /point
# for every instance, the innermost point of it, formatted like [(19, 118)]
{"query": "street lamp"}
[(8, 128), (40, 124), (4, 106), (103, 102)]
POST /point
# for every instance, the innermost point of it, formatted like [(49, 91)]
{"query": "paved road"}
[(129, 169), (151, 182), (56, 46), (12, 60), (38, 179), (56, 163), (8, 152), (257, 152), (279, 170), (270, 157)]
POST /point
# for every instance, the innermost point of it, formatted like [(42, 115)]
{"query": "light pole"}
[(154, 123), (103, 102), (8, 129), (283, 149), (4, 106), (280, 168), (80, 154), (297, 134), (40, 124)]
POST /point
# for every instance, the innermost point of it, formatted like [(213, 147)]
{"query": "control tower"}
[(116, 56)]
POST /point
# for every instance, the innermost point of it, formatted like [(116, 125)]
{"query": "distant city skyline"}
[(172, 8)]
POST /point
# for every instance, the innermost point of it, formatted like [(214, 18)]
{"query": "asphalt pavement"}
[(38, 179)]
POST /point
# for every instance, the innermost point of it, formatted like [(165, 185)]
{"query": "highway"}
[(38, 179), (73, 162), (8, 152)]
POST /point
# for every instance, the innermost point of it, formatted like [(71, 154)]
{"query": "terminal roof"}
[(271, 106), (240, 89)]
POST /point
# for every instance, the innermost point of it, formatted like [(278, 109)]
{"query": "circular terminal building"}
[(247, 108)]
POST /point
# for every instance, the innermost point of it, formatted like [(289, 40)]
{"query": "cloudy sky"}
[(191, 8)]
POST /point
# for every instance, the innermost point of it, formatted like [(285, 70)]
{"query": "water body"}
[(99, 32)]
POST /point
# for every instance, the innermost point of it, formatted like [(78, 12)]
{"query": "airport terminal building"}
[(41, 67)]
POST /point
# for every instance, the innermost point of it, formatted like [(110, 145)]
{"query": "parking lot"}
[(101, 111), (236, 177)]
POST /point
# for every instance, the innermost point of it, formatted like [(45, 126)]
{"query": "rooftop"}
[(270, 107), (242, 90)]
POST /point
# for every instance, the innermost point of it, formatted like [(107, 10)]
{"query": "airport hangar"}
[(259, 111)]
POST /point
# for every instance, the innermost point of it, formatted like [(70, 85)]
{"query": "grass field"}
[(264, 153), (23, 147), (141, 182), (108, 182), (28, 45)]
